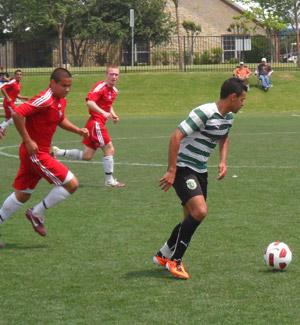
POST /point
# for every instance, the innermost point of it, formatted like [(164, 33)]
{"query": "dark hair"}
[(232, 86), (18, 70), (60, 73)]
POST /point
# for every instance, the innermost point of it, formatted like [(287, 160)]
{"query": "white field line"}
[(124, 163)]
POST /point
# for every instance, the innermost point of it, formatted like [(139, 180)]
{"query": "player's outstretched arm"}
[(69, 126)]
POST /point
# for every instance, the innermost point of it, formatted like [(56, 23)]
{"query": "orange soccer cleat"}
[(160, 260), (176, 268)]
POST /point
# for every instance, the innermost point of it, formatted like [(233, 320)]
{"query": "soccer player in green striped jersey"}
[(189, 150)]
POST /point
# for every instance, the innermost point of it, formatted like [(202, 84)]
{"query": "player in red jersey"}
[(36, 121), (11, 91), (99, 101)]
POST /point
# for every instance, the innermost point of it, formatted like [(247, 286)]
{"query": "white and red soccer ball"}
[(278, 256)]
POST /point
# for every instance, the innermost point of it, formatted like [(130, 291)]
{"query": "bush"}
[(160, 58), (260, 47), (232, 61), (197, 59), (216, 55), (165, 58), (174, 56), (156, 58), (205, 58)]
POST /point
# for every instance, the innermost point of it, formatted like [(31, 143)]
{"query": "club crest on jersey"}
[(191, 184)]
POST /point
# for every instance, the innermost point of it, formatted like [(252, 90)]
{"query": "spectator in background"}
[(264, 72), (243, 73)]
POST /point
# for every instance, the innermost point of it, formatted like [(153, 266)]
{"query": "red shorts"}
[(33, 168), (99, 136), (8, 108)]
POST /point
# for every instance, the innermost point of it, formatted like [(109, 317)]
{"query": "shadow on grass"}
[(270, 271), (100, 185), (152, 273), (20, 246), (82, 185)]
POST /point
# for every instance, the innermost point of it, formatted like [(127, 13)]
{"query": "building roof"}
[(214, 16), (234, 5)]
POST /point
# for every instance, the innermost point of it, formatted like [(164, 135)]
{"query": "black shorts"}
[(189, 183)]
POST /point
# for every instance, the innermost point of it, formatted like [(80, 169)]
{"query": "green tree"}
[(276, 15), (192, 30), (242, 25), (82, 20), (39, 18), (152, 24)]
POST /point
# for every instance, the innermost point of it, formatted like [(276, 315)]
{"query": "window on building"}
[(234, 46)]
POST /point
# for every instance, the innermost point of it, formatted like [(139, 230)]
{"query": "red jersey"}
[(103, 96), (13, 89), (43, 113)]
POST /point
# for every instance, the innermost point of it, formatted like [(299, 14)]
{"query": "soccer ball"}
[(278, 256)]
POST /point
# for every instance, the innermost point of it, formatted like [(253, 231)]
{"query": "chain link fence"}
[(199, 53)]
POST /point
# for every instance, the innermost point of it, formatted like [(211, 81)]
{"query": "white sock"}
[(108, 166), (56, 195), (10, 122), (9, 207), (74, 154), (166, 251), (3, 125), (6, 123)]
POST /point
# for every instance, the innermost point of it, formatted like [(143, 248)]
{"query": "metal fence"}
[(199, 53)]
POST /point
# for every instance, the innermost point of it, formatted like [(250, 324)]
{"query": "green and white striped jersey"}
[(203, 128)]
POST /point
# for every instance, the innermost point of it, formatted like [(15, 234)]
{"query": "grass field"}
[(95, 265)]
